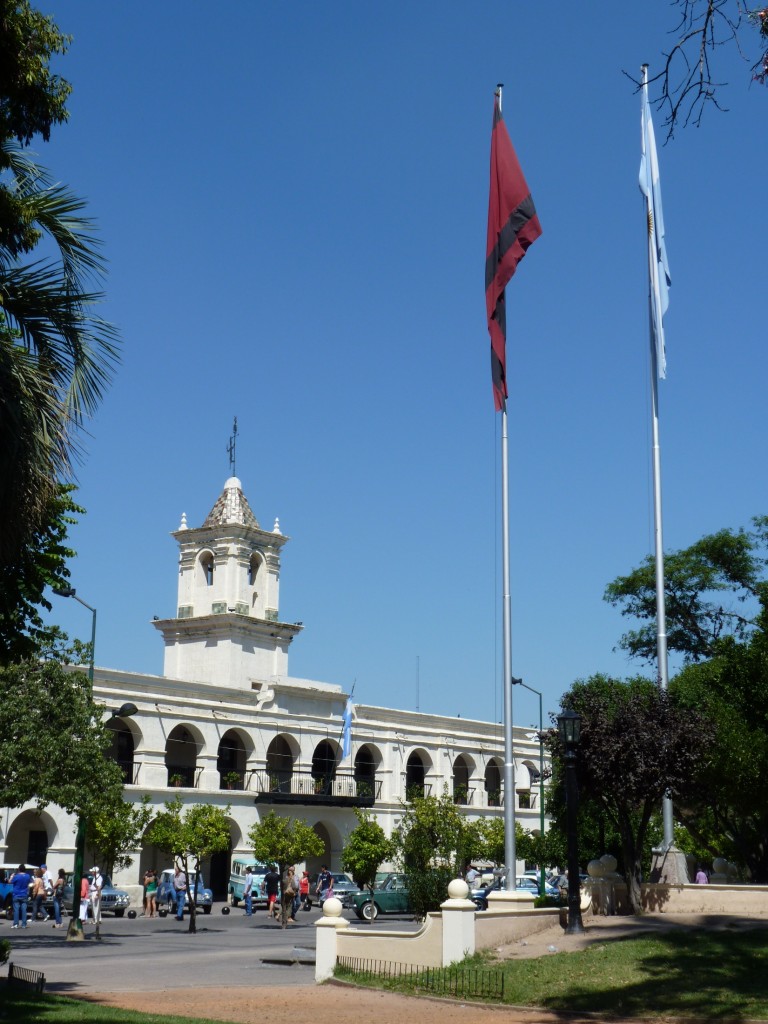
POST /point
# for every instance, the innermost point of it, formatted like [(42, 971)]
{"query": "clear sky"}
[(293, 201)]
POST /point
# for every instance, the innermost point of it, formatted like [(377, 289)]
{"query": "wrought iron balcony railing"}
[(305, 787)]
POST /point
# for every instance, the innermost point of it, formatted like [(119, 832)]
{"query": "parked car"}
[(237, 881), (391, 897), (480, 896), (344, 889), (166, 899)]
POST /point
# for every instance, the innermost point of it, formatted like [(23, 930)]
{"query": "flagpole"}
[(510, 852), (662, 660)]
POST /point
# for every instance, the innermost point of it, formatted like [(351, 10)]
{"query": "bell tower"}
[(227, 629)]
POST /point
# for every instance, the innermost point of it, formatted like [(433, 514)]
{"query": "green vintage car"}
[(390, 897)]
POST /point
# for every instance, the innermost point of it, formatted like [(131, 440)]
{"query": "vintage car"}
[(166, 898), (390, 897)]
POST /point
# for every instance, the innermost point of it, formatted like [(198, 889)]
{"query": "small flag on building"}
[(346, 742), (512, 227)]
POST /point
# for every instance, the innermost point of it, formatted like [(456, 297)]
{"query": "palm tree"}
[(56, 355)]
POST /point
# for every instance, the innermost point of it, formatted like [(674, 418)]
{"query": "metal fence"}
[(461, 982), (25, 977)]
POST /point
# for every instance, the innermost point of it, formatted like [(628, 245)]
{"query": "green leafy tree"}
[(366, 849), (637, 744), (284, 841), (56, 354), (54, 741), (24, 581), (190, 835), (430, 841), (713, 589), (725, 814), (114, 833)]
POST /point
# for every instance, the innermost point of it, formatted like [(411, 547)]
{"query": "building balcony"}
[(303, 787)]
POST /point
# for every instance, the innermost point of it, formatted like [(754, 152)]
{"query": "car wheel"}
[(206, 910), (370, 911), (481, 904), (235, 900), (120, 913)]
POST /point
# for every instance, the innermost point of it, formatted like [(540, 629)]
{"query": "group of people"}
[(286, 895), (40, 885), (90, 895)]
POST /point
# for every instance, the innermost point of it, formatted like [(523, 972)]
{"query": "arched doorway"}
[(181, 757), (315, 863), (280, 761), (415, 773), (122, 749), (461, 774), (29, 838), (493, 783), (365, 772), (324, 767), (230, 762)]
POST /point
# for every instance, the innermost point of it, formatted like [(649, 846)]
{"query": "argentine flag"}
[(346, 742), (658, 264)]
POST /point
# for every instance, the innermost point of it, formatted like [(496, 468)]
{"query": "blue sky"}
[(293, 201)]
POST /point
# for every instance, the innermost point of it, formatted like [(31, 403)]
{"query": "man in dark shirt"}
[(271, 886)]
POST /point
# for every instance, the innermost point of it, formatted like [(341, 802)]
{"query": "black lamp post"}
[(75, 930), (569, 728)]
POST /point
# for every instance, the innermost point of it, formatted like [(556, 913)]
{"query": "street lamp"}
[(569, 728), (75, 930), (519, 682)]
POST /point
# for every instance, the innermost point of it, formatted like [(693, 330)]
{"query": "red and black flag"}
[(512, 227)]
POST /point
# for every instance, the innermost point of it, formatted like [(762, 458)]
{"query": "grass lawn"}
[(697, 973), (18, 1008)]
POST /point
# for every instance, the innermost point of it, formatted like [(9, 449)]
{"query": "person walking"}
[(21, 881), (324, 884), (179, 891), (38, 896), (248, 891), (304, 890), (85, 897), (271, 886), (150, 881), (97, 884), (58, 895), (287, 894)]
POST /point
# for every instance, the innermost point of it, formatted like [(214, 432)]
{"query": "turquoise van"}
[(237, 881)]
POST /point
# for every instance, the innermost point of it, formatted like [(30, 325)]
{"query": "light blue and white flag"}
[(658, 265), (346, 742)]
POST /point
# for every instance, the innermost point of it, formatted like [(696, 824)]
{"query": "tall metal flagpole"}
[(661, 615), (510, 852)]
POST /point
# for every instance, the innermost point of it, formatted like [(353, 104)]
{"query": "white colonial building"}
[(226, 724)]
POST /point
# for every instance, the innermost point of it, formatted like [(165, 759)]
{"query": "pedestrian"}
[(296, 895), (151, 889), (304, 890), (97, 884), (271, 886), (288, 891), (179, 891), (144, 881), (38, 896), (58, 895), (85, 897), (324, 884), (701, 876), (471, 876), (248, 891), (21, 881)]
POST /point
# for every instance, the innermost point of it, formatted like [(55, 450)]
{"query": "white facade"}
[(227, 725)]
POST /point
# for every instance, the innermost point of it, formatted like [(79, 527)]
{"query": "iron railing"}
[(309, 787), (459, 982)]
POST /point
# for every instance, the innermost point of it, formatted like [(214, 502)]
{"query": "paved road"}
[(148, 955)]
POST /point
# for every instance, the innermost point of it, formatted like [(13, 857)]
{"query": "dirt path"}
[(338, 1004)]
